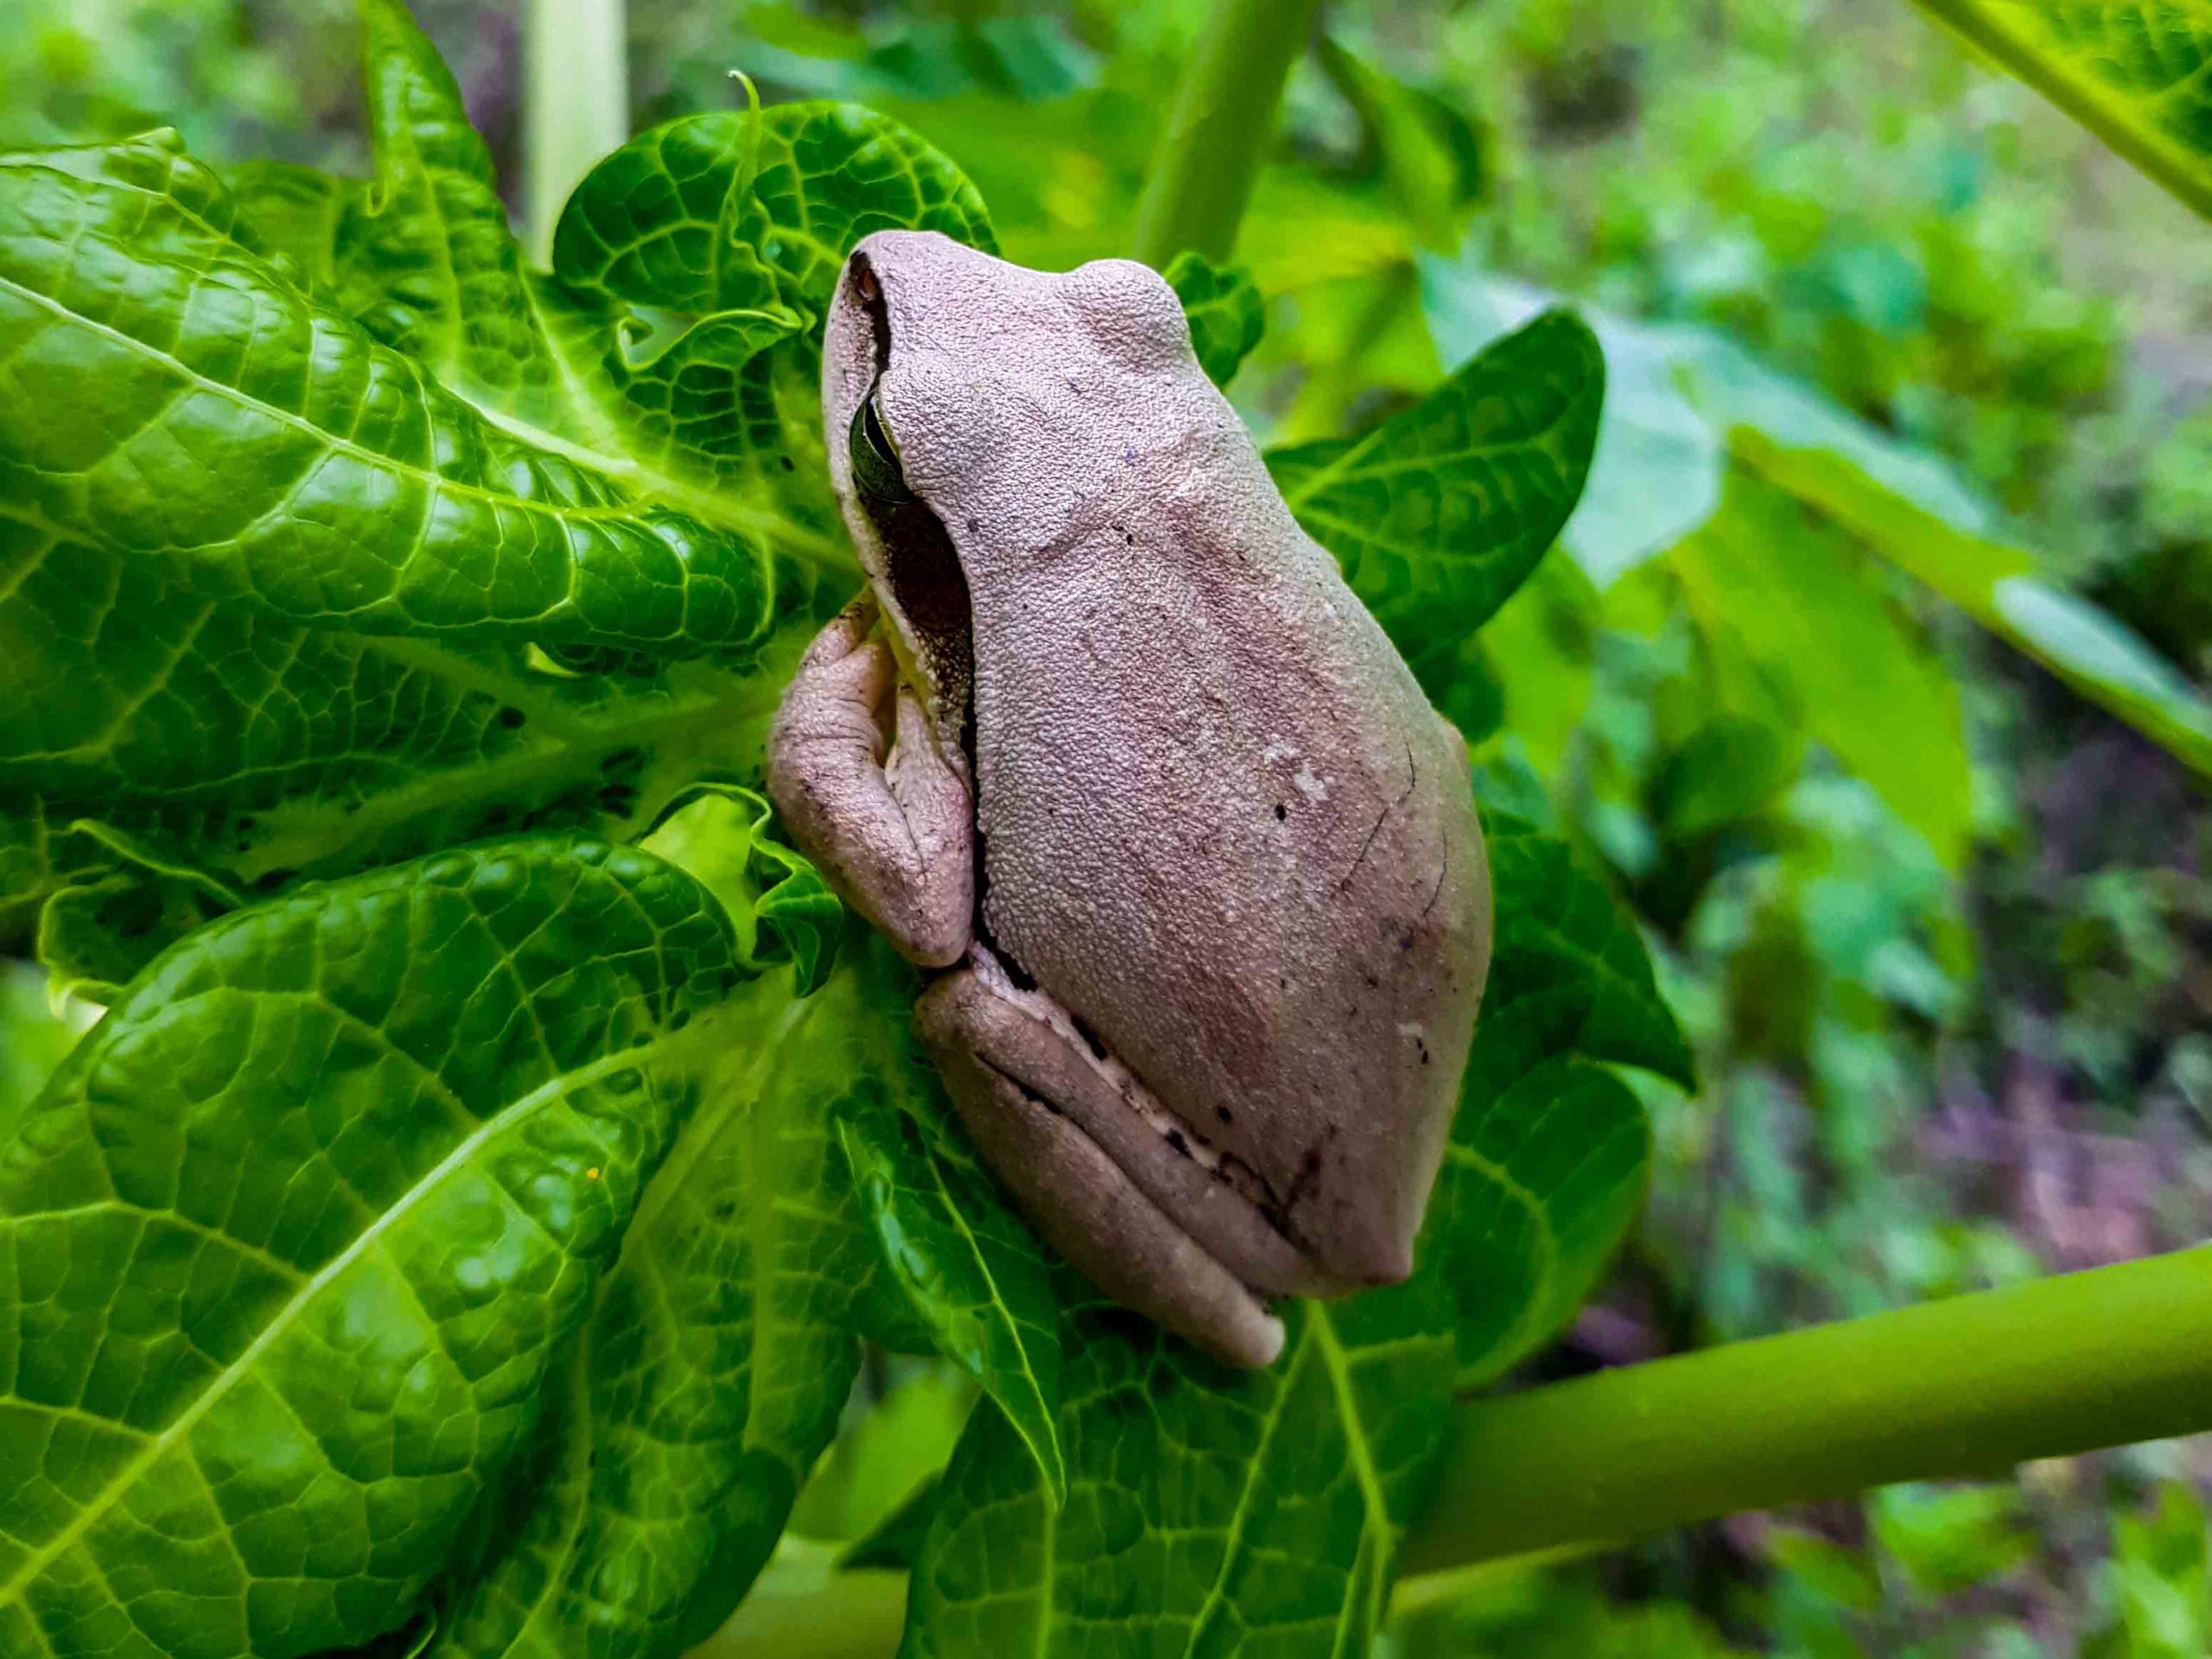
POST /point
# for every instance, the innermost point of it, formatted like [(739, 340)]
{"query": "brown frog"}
[(1109, 744)]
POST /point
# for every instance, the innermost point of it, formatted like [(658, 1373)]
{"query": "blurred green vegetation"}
[(1941, 927)]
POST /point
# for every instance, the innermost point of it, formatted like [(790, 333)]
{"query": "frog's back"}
[(1220, 821)]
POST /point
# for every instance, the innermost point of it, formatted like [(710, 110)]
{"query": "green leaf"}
[(1908, 509), (1225, 312), (1726, 770), (38, 1038), (293, 1238), (252, 749), (713, 1362), (738, 210), (155, 162), (295, 212), (176, 399), (1842, 665), (110, 915), (778, 901), (1949, 1539), (1540, 647), (1840, 1576), (1441, 511), (145, 693), (975, 1276), (249, 629), (2139, 75), (707, 402), (1208, 1510), (864, 1494), (425, 259), (1996, 585), (2157, 1577), (1656, 479), (1546, 1161), (1655, 474)]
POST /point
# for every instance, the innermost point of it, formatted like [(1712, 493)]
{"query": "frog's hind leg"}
[(858, 778), (1022, 1087)]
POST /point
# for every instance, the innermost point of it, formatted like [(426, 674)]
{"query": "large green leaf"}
[(1655, 473), (712, 1366), (424, 258), (253, 748), (802, 1205), (1441, 511), (294, 212), (2137, 74), (174, 398), (291, 1241), (1213, 1510), (694, 404), (1907, 508)]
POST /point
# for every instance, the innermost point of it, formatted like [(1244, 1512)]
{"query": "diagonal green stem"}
[(1218, 131), (1968, 1386)]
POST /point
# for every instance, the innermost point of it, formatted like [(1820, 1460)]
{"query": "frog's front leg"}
[(857, 779), (1103, 1170)]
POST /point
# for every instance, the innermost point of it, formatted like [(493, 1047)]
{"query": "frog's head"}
[(976, 414), (947, 372)]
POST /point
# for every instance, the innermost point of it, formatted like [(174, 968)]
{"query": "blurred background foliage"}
[(1942, 926)]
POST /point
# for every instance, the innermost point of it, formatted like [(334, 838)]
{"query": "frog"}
[(1109, 751)]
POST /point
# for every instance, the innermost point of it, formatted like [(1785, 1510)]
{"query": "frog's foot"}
[(1105, 1172), (859, 781)]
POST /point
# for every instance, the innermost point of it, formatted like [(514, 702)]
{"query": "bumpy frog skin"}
[(1110, 745)]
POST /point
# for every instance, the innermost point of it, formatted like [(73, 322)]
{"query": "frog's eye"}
[(876, 471)]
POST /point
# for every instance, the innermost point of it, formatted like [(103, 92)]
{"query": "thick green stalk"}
[(1969, 1386), (576, 102), (1218, 132)]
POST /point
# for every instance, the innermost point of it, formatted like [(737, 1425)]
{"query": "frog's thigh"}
[(893, 832), (1078, 1197)]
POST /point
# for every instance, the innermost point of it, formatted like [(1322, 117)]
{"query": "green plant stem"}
[(576, 102), (1218, 131), (1997, 32), (1969, 1386)]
